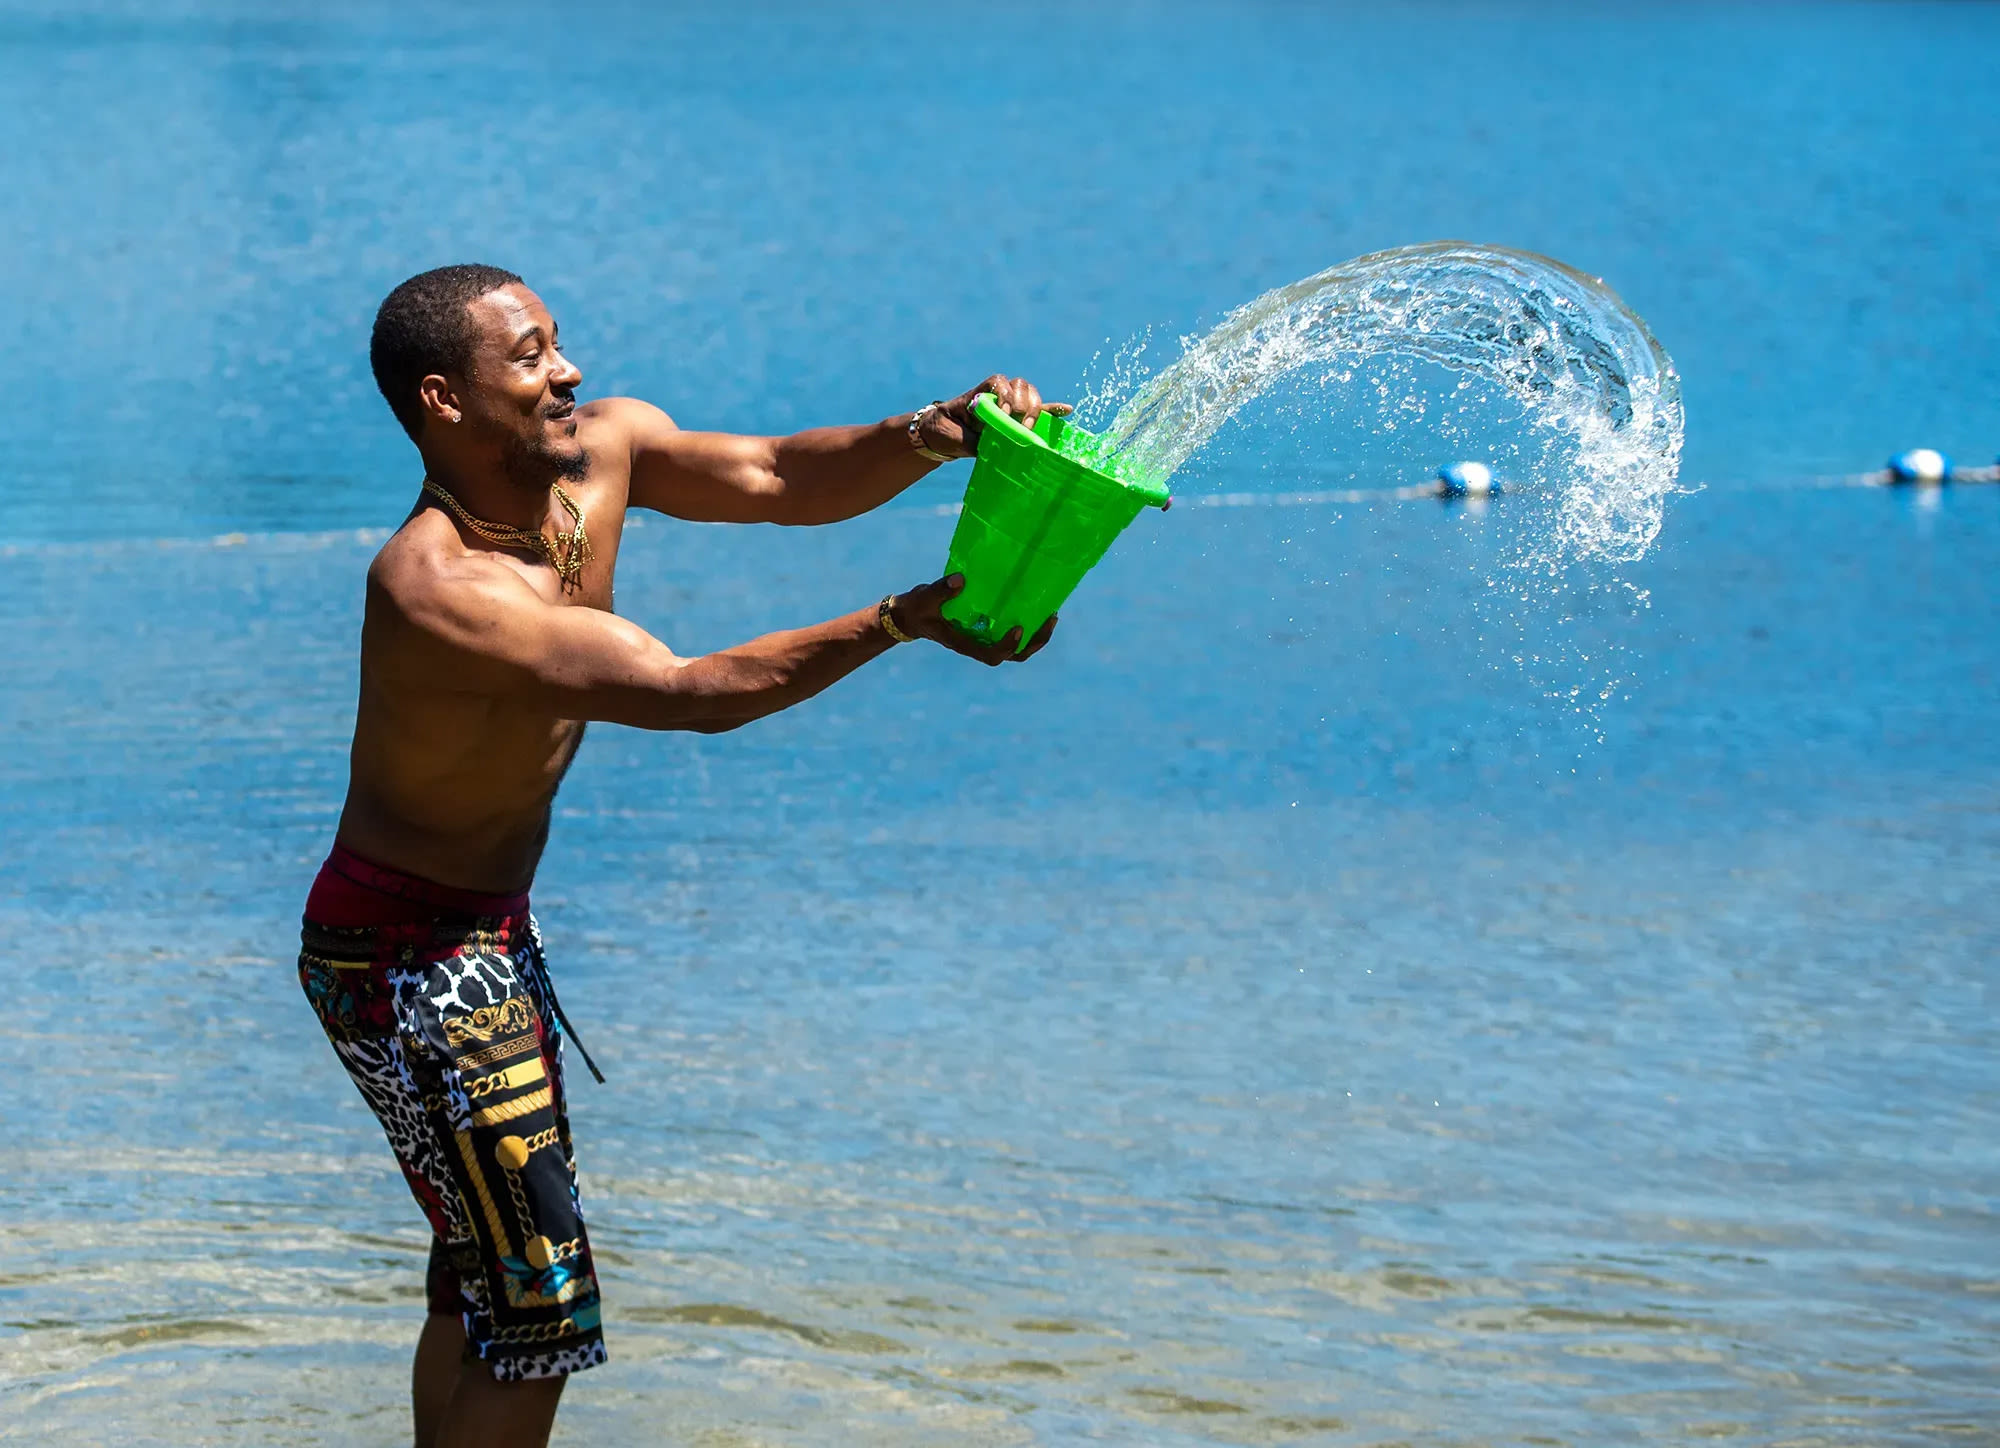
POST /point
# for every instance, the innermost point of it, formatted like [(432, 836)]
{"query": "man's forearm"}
[(733, 687), (830, 474)]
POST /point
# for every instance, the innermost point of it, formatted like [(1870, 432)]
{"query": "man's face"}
[(521, 391)]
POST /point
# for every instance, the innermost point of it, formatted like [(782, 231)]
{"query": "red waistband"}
[(353, 891)]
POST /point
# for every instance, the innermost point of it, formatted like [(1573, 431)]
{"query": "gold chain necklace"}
[(566, 555)]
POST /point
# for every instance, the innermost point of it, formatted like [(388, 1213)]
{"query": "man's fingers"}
[(1007, 649), (921, 612), (988, 654), (1039, 641), (992, 655), (937, 591), (1017, 396), (1031, 400)]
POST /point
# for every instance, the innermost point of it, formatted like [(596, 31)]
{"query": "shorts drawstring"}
[(555, 1001)]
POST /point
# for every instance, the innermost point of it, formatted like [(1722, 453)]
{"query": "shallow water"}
[(1267, 1018)]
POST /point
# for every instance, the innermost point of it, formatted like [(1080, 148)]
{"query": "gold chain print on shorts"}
[(530, 1072), (536, 1332), (512, 1153)]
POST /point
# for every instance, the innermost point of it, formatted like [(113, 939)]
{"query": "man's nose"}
[(567, 375)]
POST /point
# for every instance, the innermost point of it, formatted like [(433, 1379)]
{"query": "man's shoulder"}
[(631, 418), (426, 578), (421, 556)]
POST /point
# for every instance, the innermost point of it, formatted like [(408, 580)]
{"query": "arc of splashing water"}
[(1562, 343)]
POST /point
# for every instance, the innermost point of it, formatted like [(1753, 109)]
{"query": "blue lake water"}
[(1266, 1019)]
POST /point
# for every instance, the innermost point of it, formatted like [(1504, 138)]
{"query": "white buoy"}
[(1920, 465), (1467, 480)]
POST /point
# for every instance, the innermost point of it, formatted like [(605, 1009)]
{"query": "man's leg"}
[(523, 1271), (451, 1054), (485, 1413), (440, 1352)]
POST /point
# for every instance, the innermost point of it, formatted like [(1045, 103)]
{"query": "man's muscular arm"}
[(476, 626), (824, 475)]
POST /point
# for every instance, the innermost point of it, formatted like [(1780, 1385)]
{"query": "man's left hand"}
[(951, 428)]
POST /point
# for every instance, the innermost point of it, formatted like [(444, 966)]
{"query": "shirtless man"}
[(489, 642)]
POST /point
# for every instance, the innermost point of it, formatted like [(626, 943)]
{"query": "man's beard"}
[(531, 468)]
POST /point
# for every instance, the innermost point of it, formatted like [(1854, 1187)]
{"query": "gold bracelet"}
[(888, 621)]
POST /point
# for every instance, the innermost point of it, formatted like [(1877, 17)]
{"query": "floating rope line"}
[(1329, 495), (1922, 469), (1474, 483), (1893, 477)]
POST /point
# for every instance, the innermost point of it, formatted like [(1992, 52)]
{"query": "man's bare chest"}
[(594, 585)]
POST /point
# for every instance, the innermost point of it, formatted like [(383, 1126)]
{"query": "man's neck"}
[(489, 494)]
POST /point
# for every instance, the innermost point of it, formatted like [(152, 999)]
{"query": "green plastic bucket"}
[(1041, 507)]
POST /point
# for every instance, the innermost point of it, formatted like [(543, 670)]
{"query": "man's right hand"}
[(919, 614)]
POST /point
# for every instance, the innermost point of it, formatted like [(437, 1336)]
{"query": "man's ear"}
[(439, 399)]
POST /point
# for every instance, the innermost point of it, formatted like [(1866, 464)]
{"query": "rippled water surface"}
[(1279, 1014)]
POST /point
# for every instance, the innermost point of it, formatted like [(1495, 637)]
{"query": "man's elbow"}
[(798, 502), (675, 717), (691, 697), (795, 508), (768, 498)]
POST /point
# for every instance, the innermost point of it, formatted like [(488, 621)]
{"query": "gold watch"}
[(885, 617)]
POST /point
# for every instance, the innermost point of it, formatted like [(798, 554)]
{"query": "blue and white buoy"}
[(1467, 480), (1920, 465)]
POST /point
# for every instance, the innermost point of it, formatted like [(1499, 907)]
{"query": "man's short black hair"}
[(423, 328)]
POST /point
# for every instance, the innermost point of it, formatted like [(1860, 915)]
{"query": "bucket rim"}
[(986, 407)]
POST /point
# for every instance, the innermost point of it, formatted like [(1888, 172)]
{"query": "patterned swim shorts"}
[(438, 1003)]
